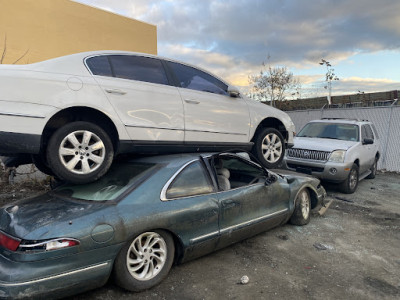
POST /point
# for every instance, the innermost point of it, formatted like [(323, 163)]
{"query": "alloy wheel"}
[(82, 152), (305, 204), (272, 147), (353, 179), (146, 256)]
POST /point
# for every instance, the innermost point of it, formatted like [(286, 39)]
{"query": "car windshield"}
[(119, 178), (337, 131)]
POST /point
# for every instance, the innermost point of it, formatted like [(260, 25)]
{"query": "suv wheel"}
[(373, 169), (349, 186), (80, 152), (269, 147)]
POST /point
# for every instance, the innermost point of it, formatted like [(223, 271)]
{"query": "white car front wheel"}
[(269, 147)]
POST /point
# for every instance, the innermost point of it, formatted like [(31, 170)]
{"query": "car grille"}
[(308, 154), (305, 169)]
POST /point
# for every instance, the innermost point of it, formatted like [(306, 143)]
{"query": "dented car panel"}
[(66, 241)]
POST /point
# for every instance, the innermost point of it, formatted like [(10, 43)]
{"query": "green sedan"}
[(142, 217)]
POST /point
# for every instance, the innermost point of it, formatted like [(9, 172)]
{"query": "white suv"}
[(75, 113), (337, 150)]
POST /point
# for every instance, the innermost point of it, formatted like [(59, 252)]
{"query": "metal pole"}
[(387, 135)]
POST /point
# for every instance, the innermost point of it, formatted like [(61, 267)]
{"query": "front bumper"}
[(329, 171)]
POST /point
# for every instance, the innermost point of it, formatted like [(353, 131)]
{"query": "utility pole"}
[(329, 76)]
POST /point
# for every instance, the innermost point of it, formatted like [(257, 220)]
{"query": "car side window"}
[(375, 131), (195, 79), (366, 132), (99, 65), (370, 134), (138, 68), (238, 172), (191, 181)]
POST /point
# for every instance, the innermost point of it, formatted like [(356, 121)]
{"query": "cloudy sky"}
[(231, 38)]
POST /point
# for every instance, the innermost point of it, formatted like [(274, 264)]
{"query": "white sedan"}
[(73, 114)]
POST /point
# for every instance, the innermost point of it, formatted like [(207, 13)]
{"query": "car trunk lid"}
[(23, 217)]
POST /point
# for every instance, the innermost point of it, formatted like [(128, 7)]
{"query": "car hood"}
[(42, 213), (319, 144)]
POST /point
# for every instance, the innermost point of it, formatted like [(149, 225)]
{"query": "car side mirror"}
[(270, 180), (233, 91), (368, 141)]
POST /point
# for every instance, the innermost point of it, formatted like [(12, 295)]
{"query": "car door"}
[(251, 204), (367, 151), (191, 195), (211, 115), (139, 90)]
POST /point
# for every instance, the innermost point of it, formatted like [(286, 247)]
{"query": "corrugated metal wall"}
[(386, 120)]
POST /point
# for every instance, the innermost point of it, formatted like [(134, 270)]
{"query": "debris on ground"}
[(283, 237), (344, 199), (244, 279), (319, 246)]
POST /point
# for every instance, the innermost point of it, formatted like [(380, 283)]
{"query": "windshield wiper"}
[(329, 137)]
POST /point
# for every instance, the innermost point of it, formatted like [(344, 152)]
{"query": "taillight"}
[(48, 245), (62, 243), (9, 242)]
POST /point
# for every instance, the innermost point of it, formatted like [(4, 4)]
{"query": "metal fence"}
[(386, 120)]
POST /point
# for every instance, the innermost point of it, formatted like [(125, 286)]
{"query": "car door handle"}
[(115, 91), (229, 203), (192, 101)]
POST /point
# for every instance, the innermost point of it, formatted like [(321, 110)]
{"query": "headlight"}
[(337, 156)]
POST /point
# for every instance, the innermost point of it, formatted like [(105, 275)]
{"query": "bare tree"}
[(329, 76), (274, 84), (5, 52)]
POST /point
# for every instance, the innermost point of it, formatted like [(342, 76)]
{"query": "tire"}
[(349, 186), (41, 165), (139, 266), (302, 208), (269, 147), (373, 170), (71, 156)]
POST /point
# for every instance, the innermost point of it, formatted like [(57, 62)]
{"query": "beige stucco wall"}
[(52, 28)]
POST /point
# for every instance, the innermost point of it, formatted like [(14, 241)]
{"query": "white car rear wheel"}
[(80, 152)]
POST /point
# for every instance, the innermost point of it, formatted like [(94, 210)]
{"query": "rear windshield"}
[(345, 132), (119, 178)]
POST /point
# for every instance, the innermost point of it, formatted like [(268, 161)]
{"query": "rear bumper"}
[(55, 277), (58, 285), (14, 143)]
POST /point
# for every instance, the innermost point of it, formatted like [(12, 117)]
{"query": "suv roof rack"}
[(345, 119)]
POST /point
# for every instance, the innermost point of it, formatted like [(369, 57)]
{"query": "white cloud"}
[(233, 38)]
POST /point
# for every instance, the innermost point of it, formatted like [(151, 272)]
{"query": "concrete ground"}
[(351, 252)]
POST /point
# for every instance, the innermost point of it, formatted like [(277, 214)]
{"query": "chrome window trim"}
[(101, 265), (163, 195)]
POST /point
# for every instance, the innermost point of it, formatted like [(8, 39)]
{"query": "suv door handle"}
[(192, 101), (115, 91)]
